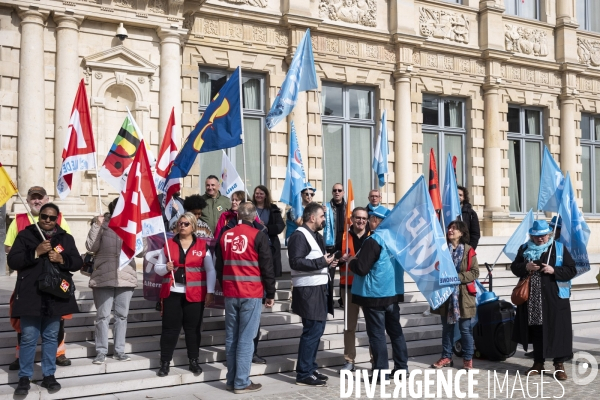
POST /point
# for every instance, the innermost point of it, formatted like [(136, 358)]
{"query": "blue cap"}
[(540, 228), (308, 186), (380, 211), (487, 297), (553, 222)]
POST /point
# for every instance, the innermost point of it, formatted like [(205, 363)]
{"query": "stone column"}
[(170, 78), (492, 153), (31, 128), (403, 168), (568, 143), (67, 82)]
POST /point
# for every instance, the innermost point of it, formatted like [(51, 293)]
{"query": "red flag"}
[(79, 153), (167, 152), (137, 213), (434, 184), (349, 244), (454, 160)]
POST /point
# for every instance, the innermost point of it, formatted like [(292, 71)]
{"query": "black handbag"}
[(54, 281), (88, 264)]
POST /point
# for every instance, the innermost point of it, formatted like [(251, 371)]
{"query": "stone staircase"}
[(280, 331)]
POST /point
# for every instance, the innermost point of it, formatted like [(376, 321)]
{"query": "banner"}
[(295, 178), (380, 158), (551, 184), (230, 179), (450, 203), (414, 236)]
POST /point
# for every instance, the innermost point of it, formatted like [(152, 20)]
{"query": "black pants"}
[(536, 336), (178, 312)]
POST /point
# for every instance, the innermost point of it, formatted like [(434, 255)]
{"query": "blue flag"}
[(575, 232), (380, 159), (520, 236), (414, 237), (301, 77), (450, 201), (221, 127), (295, 178), (551, 184)]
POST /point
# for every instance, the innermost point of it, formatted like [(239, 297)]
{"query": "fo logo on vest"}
[(197, 253), (238, 243)]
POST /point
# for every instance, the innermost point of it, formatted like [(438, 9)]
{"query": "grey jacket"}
[(106, 245)]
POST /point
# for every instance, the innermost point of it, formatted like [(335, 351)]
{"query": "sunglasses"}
[(45, 217), (337, 190), (184, 224), (309, 194)]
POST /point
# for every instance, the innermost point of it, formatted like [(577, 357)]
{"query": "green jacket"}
[(214, 208), (466, 301)]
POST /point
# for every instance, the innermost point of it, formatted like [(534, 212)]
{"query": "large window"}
[(348, 123), (590, 161), (588, 15), (210, 82), (524, 8), (444, 132), (525, 157)]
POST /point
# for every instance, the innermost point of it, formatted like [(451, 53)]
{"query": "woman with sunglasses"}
[(188, 284), (40, 312)]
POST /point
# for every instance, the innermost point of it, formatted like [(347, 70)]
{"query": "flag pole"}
[(324, 185), (242, 135), (30, 215), (169, 254), (387, 191), (98, 188), (497, 258), (555, 226)]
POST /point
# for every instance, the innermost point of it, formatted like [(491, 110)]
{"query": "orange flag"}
[(348, 222)]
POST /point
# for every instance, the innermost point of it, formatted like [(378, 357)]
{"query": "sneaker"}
[(121, 357), (100, 358), (256, 359), (311, 381), (49, 382), (443, 362), (15, 365), (320, 376), (63, 361), (467, 364), (252, 387), (23, 387), (348, 366)]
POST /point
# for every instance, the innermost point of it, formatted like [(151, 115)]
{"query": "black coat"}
[(556, 312), (29, 301), (469, 217), (275, 226)]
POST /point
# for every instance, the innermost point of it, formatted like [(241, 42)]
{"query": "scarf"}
[(534, 252), (50, 233), (454, 307)]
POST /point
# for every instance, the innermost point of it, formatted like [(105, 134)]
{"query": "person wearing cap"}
[(36, 198), (460, 307), (556, 226), (378, 287), (545, 318), (292, 222)]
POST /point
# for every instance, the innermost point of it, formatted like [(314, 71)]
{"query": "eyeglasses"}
[(374, 196), (45, 217), (337, 190), (184, 224)]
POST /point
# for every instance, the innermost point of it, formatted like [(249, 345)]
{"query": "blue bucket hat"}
[(380, 211), (308, 186), (540, 228), (553, 222)]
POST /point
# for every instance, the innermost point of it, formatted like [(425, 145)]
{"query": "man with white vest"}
[(312, 295)]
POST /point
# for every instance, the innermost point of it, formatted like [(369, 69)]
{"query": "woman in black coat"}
[(545, 318), (270, 216), (40, 312)]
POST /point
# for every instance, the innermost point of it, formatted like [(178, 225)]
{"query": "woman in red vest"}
[(188, 283)]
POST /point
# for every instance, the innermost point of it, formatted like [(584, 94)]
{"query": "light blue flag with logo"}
[(575, 232), (414, 237), (295, 177), (551, 184), (450, 201), (380, 159), (519, 237), (301, 77)]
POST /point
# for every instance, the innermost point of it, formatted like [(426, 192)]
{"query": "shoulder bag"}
[(54, 281), (520, 293)]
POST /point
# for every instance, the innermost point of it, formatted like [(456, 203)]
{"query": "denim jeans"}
[(380, 320), (466, 338), (31, 329), (312, 331), (104, 298), (242, 318)]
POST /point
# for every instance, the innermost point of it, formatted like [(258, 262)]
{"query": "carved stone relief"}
[(156, 6), (352, 48), (525, 40), (389, 54), (417, 58), (123, 3), (442, 24), (256, 3), (588, 51), (372, 51), (211, 27), (362, 12), (448, 63), (235, 31), (332, 45), (259, 33), (281, 37)]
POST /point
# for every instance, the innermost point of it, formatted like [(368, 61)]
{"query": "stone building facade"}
[(489, 81)]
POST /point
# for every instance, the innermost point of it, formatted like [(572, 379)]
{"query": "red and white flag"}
[(79, 153), (137, 213), (166, 154)]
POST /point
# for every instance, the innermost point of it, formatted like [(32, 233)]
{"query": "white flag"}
[(230, 180)]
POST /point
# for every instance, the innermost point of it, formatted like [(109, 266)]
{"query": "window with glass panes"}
[(590, 162), (588, 15), (523, 8), (444, 132), (348, 122), (525, 141), (253, 99)]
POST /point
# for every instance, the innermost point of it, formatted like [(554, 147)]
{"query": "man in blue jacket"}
[(378, 295)]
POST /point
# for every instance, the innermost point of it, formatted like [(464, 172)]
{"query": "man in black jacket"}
[(469, 217)]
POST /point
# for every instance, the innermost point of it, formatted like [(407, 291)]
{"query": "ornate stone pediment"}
[(120, 58), (588, 51), (362, 12), (530, 41), (442, 24)]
